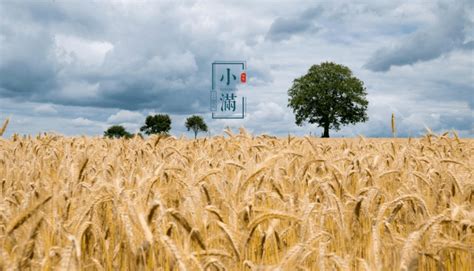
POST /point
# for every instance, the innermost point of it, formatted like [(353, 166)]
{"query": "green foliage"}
[(157, 124), (329, 96), (117, 131), (196, 123)]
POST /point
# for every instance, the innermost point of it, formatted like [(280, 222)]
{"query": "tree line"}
[(328, 95), (158, 124)]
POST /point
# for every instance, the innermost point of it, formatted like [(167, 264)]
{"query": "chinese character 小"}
[(228, 77)]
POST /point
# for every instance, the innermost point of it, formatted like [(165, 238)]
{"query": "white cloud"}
[(268, 112), (88, 52), (78, 122), (124, 116), (45, 109)]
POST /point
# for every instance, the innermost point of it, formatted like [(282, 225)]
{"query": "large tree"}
[(157, 124), (196, 123), (329, 96), (117, 131)]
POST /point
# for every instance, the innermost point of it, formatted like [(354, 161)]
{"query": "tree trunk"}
[(195, 134), (326, 130)]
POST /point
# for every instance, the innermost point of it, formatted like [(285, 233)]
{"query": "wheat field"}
[(236, 202)]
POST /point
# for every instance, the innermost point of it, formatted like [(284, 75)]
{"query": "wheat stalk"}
[(23, 217), (4, 126), (393, 125)]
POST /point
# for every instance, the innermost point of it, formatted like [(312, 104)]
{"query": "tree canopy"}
[(117, 131), (196, 123), (157, 124), (329, 96)]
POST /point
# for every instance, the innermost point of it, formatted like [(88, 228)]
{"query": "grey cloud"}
[(457, 122), (448, 33), (447, 91), (73, 16), (468, 45), (156, 62), (25, 61), (284, 28)]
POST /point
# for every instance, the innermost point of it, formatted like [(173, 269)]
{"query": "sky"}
[(78, 67)]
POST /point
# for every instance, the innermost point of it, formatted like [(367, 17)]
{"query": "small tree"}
[(196, 123), (329, 96), (117, 131), (157, 124)]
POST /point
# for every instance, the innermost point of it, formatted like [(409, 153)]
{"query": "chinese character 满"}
[(228, 101)]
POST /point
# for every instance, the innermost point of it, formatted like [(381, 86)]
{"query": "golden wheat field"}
[(236, 202)]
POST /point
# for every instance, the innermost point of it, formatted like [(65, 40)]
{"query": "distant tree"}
[(196, 123), (329, 96), (117, 131), (157, 124)]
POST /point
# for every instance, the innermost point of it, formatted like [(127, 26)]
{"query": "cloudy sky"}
[(77, 67)]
